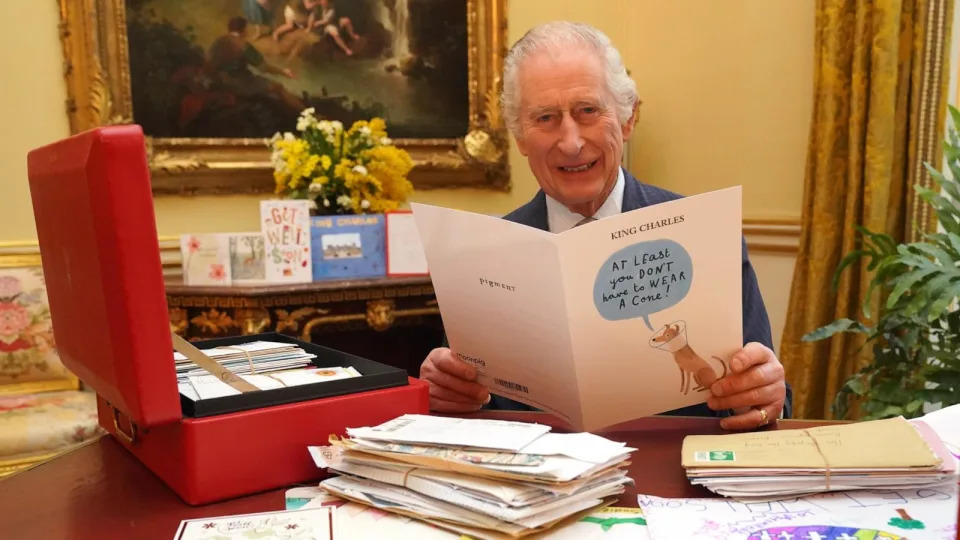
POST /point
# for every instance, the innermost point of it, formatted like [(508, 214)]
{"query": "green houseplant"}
[(915, 337)]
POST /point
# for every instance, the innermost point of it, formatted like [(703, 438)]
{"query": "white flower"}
[(276, 137), (365, 131), (289, 137), (364, 204), (360, 169), (311, 204), (279, 163), (344, 201), (315, 187), (337, 125), (386, 141), (306, 119), (326, 202)]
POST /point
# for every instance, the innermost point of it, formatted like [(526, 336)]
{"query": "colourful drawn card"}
[(303, 524), (926, 513), (206, 259), (247, 257), (641, 309), (348, 246), (286, 229)]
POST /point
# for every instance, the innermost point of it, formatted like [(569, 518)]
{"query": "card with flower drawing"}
[(306, 524), (206, 259)]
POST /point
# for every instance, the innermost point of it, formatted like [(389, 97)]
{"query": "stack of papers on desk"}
[(892, 453), (482, 478)]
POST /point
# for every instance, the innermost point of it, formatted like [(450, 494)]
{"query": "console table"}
[(394, 321)]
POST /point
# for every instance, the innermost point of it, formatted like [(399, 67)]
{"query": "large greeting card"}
[(286, 230), (624, 317)]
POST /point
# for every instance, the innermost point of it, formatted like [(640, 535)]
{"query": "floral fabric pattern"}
[(46, 422), (27, 349)]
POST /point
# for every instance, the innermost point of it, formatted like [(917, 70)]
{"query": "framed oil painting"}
[(211, 80)]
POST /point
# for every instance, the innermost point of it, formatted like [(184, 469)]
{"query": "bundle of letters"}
[(890, 454), (264, 364), (481, 478)]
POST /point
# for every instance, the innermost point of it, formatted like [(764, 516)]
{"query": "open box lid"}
[(101, 261)]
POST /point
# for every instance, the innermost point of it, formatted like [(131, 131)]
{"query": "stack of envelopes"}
[(253, 357), (482, 478), (891, 453), (260, 363)]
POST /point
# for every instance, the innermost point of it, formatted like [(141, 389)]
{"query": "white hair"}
[(558, 35)]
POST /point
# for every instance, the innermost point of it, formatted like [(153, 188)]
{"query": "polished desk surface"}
[(101, 491)]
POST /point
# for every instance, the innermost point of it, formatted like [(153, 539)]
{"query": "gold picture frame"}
[(97, 72)]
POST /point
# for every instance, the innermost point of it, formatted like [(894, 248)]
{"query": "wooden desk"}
[(101, 491), (394, 321)]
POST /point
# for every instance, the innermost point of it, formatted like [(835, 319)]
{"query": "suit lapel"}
[(532, 214), (632, 193)]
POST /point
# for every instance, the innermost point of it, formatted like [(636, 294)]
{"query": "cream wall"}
[(32, 105), (726, 90), (725, 85)]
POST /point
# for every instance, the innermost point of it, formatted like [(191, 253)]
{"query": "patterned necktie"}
[(584, 221)]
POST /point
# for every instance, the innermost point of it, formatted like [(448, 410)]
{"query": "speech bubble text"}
[(642, 279)]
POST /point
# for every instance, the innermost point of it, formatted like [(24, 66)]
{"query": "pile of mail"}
[(891, 453), (264, 364), (482, 478)]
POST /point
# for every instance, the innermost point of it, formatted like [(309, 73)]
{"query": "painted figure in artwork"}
[(335, 27), (232, 56), (259, 14)]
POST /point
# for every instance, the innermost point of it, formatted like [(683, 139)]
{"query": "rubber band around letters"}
[(245, 352), (826, 463)]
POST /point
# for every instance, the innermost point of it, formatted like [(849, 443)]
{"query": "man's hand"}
[(755, 383), (452, 386)]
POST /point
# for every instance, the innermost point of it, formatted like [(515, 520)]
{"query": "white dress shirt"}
[(560, 218)]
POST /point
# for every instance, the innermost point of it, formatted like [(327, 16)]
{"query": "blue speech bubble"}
[(642, 279)]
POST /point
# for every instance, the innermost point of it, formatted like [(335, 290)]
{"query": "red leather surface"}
[(220, 457), (101, 261)]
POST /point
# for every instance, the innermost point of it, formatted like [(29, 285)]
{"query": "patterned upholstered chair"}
[(43, 410)]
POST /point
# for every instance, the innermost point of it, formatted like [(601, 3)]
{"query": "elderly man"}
[(570, 104)]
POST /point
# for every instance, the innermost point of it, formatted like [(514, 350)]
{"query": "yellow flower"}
[(378, 128), (369, 171)]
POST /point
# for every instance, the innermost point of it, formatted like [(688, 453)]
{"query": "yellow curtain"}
[(871, 64)]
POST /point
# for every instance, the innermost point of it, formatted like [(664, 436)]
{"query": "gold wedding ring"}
[(763, 416)]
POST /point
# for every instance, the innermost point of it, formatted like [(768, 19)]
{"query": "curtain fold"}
[(871, 102)]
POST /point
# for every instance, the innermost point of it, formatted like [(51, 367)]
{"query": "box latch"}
[(130, 437)]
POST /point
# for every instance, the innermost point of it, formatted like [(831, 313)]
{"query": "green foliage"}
[(916, 336)]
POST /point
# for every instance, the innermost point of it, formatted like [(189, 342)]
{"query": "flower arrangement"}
[(353, 171)]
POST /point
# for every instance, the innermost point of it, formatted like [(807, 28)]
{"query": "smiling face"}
[(569, 130)]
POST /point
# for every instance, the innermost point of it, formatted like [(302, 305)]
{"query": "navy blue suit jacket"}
[(756, 325)]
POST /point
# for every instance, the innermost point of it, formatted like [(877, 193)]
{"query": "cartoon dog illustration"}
[(672, 338)]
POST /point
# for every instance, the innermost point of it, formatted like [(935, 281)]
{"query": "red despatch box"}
[(101, 261)]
